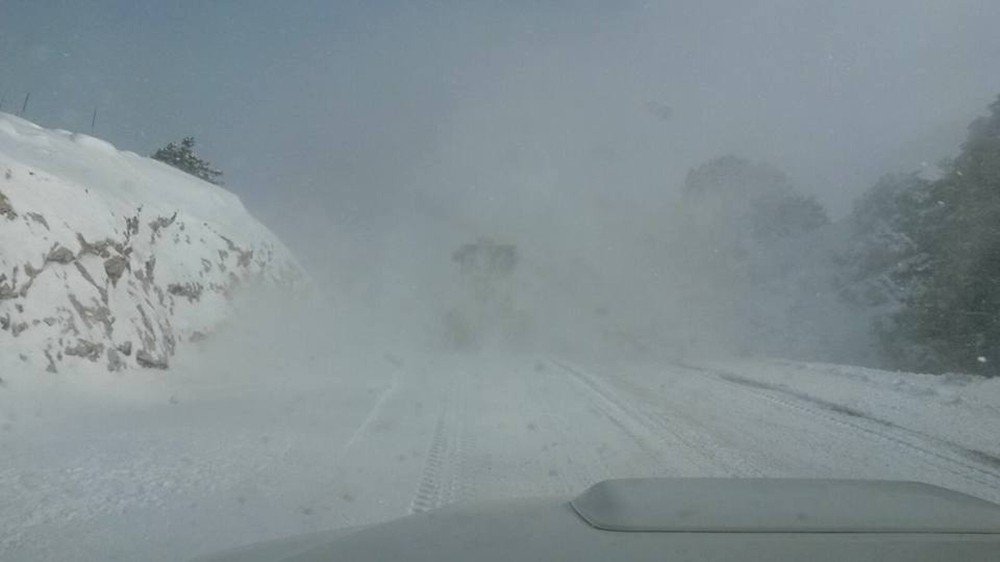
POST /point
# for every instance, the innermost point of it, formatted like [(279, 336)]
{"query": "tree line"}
[(917, 258), (928, 251)]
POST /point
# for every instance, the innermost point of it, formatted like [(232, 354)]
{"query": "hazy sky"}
[(331, 109)]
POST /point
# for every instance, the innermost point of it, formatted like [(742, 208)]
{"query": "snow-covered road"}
[(207, 468)]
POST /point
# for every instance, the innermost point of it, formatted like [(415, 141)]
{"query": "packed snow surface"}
[(111, 259), (263, 447)]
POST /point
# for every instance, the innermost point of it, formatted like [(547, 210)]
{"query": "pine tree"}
[(732, 232), (886, 263), (958, 312), (757, 200), (942, 258), (182, 157)]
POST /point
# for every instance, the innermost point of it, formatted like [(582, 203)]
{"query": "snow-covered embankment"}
[(112, 260)]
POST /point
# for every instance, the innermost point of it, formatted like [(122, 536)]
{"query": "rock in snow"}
[(103, 251)]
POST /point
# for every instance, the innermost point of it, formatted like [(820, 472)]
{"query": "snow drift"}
[(114, 259)]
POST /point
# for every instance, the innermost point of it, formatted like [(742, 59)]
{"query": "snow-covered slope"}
[(113, 259)]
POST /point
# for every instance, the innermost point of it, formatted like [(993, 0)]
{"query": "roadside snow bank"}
[(109, 260), (961, 409)]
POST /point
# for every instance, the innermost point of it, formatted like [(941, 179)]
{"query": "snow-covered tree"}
[(743, 249), (182, 157), (755, 201), (885, 263), (957, 313)]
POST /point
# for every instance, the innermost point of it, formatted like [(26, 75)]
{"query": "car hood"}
[(677, 519)]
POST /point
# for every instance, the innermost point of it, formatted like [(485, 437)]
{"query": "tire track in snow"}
[(442, 480), (968, 464), (461, 442), (429, 490), (651, 430)]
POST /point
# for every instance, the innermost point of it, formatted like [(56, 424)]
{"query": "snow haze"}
[(535, 246)]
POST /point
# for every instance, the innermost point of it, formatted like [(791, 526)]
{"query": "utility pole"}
[(93, 120), (3, 98), (24, 106)]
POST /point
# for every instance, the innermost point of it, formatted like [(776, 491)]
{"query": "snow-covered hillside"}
[(111, 259)]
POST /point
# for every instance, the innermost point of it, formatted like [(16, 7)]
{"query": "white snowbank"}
[(960, 409), (113, 260)]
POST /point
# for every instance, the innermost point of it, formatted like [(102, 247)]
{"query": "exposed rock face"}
[(60, 254), (112, 260), (6, 210), (114, 267), (86, 349), (191, 291), (146, 359)]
